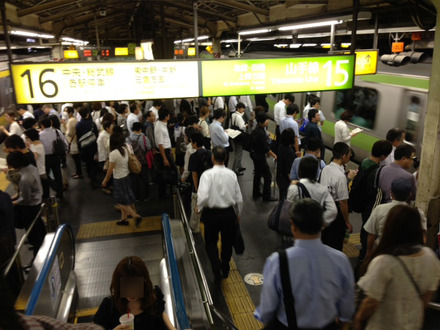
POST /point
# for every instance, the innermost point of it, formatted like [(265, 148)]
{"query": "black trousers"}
[(26, 214), (88, 156), (334, 234), (217, 221), (262, 170), (162, 182), (53, 163)]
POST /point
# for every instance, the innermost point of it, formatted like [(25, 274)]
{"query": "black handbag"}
[(238, 242)]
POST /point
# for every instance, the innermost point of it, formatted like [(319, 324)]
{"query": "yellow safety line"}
[(4, 73), (86, 312), (109, 228), (4, 183)]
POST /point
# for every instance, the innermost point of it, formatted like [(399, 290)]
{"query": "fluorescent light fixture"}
[(261, 39), (326, 46), (310, 45), (227, 46), (188, 40), (203, 38), (229, 41), (256, 31), (177, 41), (345, 44), (32, 34), (309, 25), (71, 41), (281, 45), (295, 45)]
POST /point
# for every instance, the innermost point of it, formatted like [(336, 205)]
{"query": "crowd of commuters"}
[(104, 136)]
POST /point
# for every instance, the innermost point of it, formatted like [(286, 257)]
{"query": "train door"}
[(414, 107)]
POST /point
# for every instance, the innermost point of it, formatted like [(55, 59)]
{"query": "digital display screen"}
[(281, 75), (98, 81)]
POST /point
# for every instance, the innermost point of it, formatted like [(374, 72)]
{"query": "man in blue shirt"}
[(321, 277), (312, 130), (313, 150)]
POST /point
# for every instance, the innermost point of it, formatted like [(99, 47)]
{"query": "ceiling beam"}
[(45, 6), (173, 21), (66, 14), (242, 6), (207, 13)]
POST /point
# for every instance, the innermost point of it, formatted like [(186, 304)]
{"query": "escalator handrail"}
[(41, 278), (182, 317)]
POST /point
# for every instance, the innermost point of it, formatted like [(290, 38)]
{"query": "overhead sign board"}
[(366, 62), (85, 82), (281, 75)]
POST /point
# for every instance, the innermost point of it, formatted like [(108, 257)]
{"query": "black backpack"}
[(358, 197), (205, 156)]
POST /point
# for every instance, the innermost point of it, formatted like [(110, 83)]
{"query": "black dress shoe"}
[(255, 196), (270, 199), (241, 169), (238, 173)]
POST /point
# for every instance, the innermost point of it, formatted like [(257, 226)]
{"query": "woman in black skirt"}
[(122, 186)]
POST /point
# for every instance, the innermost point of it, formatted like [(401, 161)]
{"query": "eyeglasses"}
[(414, 159)]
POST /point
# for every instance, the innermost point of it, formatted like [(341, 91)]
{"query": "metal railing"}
[(179, 213)]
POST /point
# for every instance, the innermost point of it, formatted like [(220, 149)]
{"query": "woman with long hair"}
[(401, 277), (132, 292), (122, 187)]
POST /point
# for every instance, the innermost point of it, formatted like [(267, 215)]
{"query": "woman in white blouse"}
[(342, 133), (204, 115), (14, 127), (402, 275)]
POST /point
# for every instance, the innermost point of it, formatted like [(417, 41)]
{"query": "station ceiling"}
[(113, 21)]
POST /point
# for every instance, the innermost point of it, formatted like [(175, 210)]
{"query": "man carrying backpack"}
[(363, 193), (199, 162)]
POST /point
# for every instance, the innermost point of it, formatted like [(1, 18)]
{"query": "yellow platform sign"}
[(366, 62)]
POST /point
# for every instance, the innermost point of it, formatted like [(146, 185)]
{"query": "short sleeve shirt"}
[(121, 169), (333, 177)]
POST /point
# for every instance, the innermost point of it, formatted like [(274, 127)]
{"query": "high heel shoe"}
[(123, 222)]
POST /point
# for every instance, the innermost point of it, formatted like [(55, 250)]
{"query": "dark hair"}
[(55, 121), (289, 97), (149, 112), (132, 267), (402, 229), (69, 110), (218, 113), (261, 118), (45, 121), (292, 109), (219, 154), (117, 141), (204, 110), (381, 148), (259, 109), (404, 150), (163, 113), (308, 168), (240, 105), (340, 149), (83, 111), (312, 113), (29, 123), (106, 124), (14, 141), (287, 137), (96, 106), (157, 103), (103, 112), (313, 144), (346, 115), (307, 215), (192, 120), (133, 107), (21, 107), (77, 105), (8, 317), (394, 134), (121, 108), (11, 113), (189, 131), (108, 117), (137, 126), (32, 134), (197, 138), (17, 159), (313, 99)]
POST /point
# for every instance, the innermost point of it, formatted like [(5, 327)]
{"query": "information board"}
[(281, 75), (98, 81), (366, 62)]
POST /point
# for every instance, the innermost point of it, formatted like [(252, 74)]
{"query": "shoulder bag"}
[(134, 164)]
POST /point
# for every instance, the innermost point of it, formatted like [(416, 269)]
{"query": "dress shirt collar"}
[(219, 166), (308, 243), (339, 167)]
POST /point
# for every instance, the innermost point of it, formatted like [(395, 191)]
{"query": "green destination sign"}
[(280, 75)]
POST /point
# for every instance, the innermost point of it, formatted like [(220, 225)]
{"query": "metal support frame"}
[(196, 29)]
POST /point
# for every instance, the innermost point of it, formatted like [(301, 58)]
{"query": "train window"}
[(361, 101), (412, 118)]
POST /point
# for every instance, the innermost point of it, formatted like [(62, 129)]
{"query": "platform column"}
[(429, 171)]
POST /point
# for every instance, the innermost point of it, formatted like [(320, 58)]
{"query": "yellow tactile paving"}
[(238, 300), (109, 228), (350, 248), (3, 182), (86, 312)]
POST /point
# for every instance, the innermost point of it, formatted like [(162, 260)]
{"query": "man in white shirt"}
[(289, 122), (132, 117), (218, 103), (157, 105), (400, 194), (396, 136), (23, 112), (220, 201), (163, 142), (333, 177), (279, 112), (232, 104), (49, 110)]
